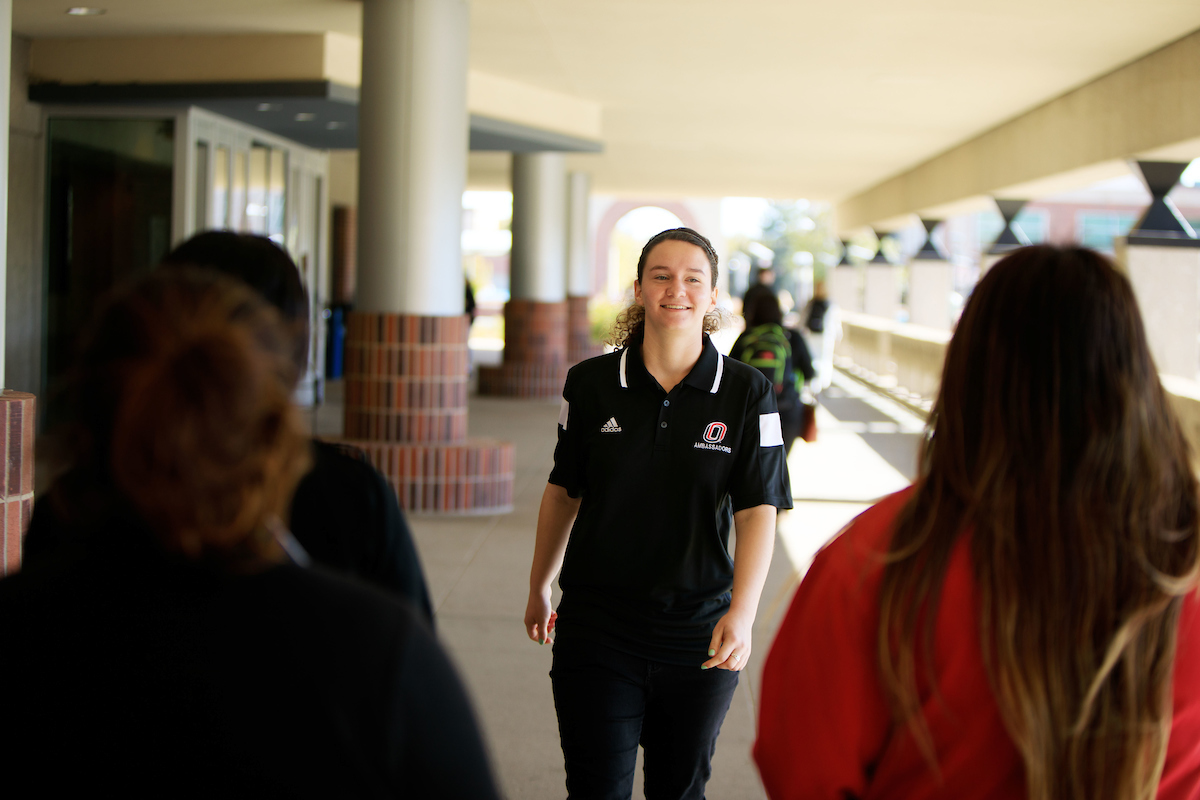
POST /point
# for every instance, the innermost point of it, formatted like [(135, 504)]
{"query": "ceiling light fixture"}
[(333, 125), (305, 116), (84, 11)]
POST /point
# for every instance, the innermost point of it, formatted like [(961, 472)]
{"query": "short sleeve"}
[(760, 475), (568, 453), (823, 719)]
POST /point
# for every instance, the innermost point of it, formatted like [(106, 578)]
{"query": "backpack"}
[(767, 349), (816, 315)]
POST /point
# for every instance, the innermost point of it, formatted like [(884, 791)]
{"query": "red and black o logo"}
[(715, 432)]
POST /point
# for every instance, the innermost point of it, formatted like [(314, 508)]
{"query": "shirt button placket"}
[(662, 435)]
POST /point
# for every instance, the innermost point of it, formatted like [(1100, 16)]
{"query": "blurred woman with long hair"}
[(172, 648), (1022, 621)]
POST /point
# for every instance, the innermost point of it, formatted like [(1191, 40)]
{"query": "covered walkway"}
[(478, 570)]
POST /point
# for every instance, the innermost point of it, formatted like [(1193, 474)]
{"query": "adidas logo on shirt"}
[(611, 426)]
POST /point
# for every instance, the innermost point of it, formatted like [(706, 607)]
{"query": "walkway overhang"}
[(319, 114), (304, 87), (1145, 110)]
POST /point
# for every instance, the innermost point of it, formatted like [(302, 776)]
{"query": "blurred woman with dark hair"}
[(344, 513), (1022, 622), (173, 650)]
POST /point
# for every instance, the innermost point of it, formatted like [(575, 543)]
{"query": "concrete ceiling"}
[(773, 98)]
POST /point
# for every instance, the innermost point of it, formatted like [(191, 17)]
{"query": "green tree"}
[(798, 226)]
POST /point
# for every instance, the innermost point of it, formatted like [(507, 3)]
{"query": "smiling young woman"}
[(665, 447)]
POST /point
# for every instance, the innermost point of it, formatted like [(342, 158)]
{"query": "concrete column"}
[(535, 317), (844, 282), (930, 283), (5, 86), (539, 227), (412, 140), (881, 287), (406, 344), (1161, 255), (1011, 236), (580, 275), (17, 409)]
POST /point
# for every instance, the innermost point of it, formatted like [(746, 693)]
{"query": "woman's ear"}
[(637, 292)]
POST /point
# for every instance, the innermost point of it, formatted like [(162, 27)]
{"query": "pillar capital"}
[(1011, 236), (880, 258), (845, 261), (1161, 224), (929, 250)]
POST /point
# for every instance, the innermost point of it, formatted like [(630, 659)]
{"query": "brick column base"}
[(475, 477), (406, 406), (580, 345), (522, 380), (17, 414), (535, 352)]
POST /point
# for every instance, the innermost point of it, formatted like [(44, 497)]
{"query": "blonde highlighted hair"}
[(1052, 445)]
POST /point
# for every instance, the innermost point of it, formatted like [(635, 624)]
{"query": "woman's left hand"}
[(730, 645)]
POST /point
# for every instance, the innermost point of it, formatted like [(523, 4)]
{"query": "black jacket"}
[(134, 671)]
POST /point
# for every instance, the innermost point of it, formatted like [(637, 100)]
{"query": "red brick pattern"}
[(406, 378), (522, 380), (406, 407), (473, 477), (17, 415), (580, 345), (535, 352), (535, 333)]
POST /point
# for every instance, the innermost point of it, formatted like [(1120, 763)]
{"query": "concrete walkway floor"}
[(478, 572)]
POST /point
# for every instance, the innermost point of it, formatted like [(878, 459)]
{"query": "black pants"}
[(609, 702)]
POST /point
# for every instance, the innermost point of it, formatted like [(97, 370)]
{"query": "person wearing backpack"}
[(779, 353)]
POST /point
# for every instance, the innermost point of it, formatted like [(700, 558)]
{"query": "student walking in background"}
[(779, 353), (823, 320), (1022, 622)]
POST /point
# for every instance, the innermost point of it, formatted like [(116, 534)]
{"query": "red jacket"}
[(825, 729)]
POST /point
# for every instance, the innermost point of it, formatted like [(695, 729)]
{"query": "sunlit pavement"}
[(478, 572)]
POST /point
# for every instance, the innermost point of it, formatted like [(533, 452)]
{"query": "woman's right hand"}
[(539, 618), (555, 518)]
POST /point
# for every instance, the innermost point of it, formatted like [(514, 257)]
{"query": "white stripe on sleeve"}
[(770, 432), (565, 409)]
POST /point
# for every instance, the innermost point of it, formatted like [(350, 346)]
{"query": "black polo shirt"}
[(647, 567)]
